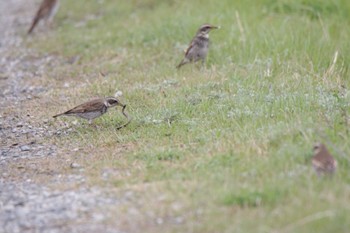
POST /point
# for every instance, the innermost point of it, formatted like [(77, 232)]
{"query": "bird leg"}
[(203, 61)]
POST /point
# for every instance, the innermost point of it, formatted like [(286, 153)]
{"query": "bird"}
[(92, 109), (322, 161), (47, 11), (198, 48)]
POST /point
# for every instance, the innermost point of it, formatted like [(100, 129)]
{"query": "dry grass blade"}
[(330, 70)]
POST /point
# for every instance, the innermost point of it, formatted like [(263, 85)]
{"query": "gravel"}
[(28, 207), (20, 139)]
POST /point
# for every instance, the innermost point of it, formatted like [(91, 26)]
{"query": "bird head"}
[(206, 28), (112, 101), (318, 147)]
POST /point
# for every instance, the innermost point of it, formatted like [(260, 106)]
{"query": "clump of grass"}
[(165, 155), (247, 198)]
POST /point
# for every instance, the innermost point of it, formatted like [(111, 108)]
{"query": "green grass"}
[(232, 141)]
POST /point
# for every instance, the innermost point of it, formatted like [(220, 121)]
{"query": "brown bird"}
[(92, 109), (322, 161), (198, 48), (47, 11)]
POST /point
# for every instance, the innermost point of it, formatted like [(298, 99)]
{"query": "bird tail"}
[(35, 22), (58, 115)]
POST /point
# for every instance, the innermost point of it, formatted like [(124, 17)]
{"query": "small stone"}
[(179, 220), (159, 221), (118, 94), (105, 175), (157, 121), (98, 217), (25, 148), (75, 165)]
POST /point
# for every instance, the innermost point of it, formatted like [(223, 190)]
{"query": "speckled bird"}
[(322, 161), (198, 48), (92, 109)]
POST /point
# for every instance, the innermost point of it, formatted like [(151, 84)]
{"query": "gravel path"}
[(26, 206), (31, 208)]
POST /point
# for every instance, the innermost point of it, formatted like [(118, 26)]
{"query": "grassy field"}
[(222, 149)]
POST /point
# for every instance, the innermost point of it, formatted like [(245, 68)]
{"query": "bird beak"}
[(215, 27), (121, 105)]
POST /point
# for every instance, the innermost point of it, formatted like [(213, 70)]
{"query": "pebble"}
[(118, 94), (25, 148), (75, 165), (179, 220), (159, 221)]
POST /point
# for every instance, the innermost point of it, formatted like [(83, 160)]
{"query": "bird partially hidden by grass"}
[(95, 108), (47, 11), (322, 161), (198, 48)]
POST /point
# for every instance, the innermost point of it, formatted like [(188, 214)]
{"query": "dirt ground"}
[(40, 189)]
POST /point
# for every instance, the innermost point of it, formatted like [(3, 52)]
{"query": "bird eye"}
[(316, 147), (112, 101), (205, 28)]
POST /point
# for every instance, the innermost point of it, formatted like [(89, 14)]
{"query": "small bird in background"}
[(47, 11), (199, 46), (322, 161), (92, 109)]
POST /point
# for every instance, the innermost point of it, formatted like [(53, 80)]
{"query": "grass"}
[(232, 142)]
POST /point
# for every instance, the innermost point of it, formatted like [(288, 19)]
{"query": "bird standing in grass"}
[(199, 46), (47, 11), (92, 109), (322, 161)]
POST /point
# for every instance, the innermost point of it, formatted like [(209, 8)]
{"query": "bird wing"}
[(317, 164), (325, 163), (91, 106), (189, 47)]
